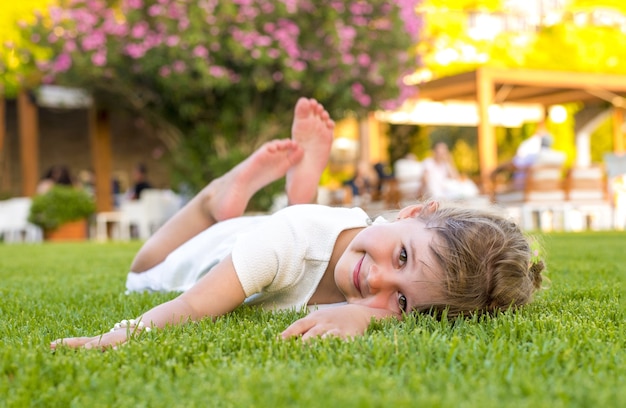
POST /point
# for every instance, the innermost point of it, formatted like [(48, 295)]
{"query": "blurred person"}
[(56, 175), (140, 181), (441, 179)]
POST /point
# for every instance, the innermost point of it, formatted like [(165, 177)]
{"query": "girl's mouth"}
[(356, 275)]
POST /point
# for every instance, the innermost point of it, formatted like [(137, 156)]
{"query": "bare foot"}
[(313, 131), (228, 196)]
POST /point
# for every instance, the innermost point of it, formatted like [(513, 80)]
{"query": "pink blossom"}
[(179, 66), (360, 21), (347, 59), (267, 7), (139, 30), (165, 71), (277, 76), (99, 58), (172, 41), (134, 4), (360, 8), (338, 6), (263, 41), (69, 47), (93, 40), (56, 14), (291, 5), (364, 60), (412, 23), (217, 71), (200, 51), (35, 38), (183, 24), (62, 63), (269, 28), (298, 66), (155, 10), (358, 92), (135, 51)]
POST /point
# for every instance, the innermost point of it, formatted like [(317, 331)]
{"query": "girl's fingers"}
[(298, 328), (107, 340), (71, 342)]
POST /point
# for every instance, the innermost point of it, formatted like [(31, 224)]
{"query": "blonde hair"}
[(486, 261)]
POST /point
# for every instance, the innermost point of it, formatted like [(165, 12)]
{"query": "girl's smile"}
[(356, 275)]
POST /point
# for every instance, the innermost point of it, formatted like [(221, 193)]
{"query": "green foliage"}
[(15, 66), (568, 349), (216, 77), (59, 205)]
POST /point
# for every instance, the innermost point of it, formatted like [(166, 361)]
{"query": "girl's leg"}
[(225, 197), (302, 159), (313, 131)]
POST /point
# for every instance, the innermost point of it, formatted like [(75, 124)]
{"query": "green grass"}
[(565, 350)]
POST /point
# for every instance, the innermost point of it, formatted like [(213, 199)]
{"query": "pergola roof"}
[(530, 86), (488, 86)]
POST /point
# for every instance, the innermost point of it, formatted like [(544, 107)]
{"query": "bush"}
[(60, 205)]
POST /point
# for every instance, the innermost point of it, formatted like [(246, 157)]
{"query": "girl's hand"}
[(103, 341), (343, 321)]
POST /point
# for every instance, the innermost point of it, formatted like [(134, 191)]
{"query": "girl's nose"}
[(378, 278)]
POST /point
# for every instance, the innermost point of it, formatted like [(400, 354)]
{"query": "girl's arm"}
[(215, 294), (343, 321)]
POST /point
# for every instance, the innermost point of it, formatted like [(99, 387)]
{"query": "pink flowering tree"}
[(216, 77)]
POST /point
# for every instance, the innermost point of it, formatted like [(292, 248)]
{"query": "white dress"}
[(279, 259)]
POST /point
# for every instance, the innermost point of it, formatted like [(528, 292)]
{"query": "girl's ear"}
[(413, 211)]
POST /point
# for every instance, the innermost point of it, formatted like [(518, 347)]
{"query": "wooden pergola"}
[(28, 129), (488, 86)]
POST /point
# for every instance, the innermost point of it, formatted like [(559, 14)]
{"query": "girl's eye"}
[(402, 303), (403, 256)]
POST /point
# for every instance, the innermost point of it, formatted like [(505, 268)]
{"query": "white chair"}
[(14, 225), (408, 173), (148, 213), (588, 205), (541, 202)]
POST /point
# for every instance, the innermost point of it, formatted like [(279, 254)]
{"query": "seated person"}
[(441, 180)]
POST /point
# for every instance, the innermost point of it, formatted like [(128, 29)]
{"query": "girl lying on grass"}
[(429, 259)]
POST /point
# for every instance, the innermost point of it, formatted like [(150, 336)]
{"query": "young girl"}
[(429, 259)]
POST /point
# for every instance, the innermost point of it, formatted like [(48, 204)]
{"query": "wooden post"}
[(618, 135), (487, 147), (4, 177), (100, 140), (29, 142), (3, 127)]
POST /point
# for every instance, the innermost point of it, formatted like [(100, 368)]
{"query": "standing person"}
[(140, 181), (430, 259)]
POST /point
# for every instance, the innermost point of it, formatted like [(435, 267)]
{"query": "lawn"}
[(565, 350)]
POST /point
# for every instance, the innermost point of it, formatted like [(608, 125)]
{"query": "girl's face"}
[(390, 266)]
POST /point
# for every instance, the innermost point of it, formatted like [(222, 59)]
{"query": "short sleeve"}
[(270, 255)]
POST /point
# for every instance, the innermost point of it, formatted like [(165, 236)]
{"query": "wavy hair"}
[(486, 261)]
